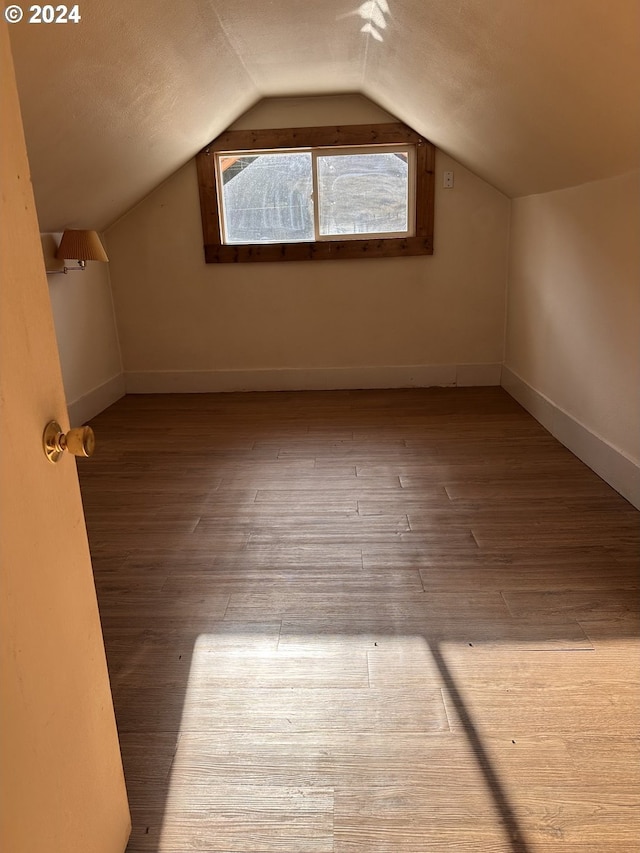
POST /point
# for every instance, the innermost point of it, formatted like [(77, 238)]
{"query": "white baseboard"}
[(616, 469), (311, 379), (96, 401)]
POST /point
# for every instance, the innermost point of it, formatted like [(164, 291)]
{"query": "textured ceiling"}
[(532, 96)]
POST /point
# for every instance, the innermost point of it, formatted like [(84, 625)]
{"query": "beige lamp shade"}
[(81, 246)]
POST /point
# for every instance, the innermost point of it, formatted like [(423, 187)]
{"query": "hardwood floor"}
[(365, 622)]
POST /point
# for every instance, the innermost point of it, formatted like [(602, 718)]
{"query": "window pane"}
[(363, 193), (267, 198)]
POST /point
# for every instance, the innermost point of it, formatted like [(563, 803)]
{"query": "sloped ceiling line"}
[(233, 46), (531, 97)]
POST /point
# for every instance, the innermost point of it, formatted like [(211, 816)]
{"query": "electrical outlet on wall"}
[(447, 180)]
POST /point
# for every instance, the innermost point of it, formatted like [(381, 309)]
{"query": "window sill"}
[(328, 250)]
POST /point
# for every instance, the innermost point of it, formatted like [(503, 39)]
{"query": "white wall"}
[(86, 333), (573, 321), (186, 325)]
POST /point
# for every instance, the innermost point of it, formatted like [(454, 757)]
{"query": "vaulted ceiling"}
[(531, 96)]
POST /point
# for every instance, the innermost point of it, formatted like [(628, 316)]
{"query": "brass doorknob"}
[(80, 441)]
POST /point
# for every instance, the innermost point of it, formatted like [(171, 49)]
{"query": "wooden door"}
[(61, 781)]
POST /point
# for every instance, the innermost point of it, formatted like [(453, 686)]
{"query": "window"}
[(317, 193), (320, 194)]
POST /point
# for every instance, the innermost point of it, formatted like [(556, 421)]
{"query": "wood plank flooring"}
[(365, 622)]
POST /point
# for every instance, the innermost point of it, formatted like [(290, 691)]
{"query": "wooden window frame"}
[(359, 135)]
